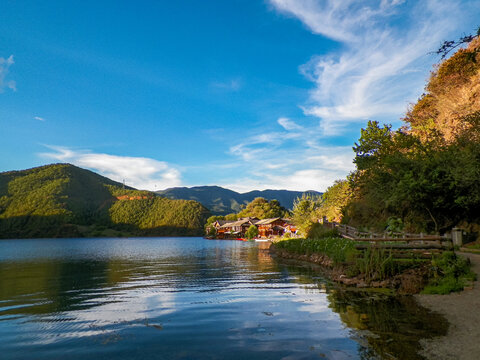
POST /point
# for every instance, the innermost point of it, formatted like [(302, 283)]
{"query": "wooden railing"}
[(392, 240)]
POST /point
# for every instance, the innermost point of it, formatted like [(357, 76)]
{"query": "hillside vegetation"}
[(221, 201), (62, 200), (424, 176)]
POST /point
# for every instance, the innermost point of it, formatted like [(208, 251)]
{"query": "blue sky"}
[(246, 94)]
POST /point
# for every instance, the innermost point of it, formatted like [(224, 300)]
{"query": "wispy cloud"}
[(229, 85), (379, 66), (139, 172), (288, 124), (39, 118), (292, 159), (375, 72), (4, 68)]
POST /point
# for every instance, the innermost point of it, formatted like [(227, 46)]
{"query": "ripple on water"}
[(184, 299)]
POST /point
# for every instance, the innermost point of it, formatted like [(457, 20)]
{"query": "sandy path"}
[(462, 310)]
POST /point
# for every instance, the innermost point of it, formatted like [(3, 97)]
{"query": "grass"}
[(339, 250), (474, 245), (376, 264), (373, 263), (450, 273)]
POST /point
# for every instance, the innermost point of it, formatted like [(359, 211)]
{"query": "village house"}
[(217, 225), (266, 228), (271, 227), (236, 228)]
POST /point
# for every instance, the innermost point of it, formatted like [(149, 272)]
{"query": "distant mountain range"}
[(221, 201), (62, 200)]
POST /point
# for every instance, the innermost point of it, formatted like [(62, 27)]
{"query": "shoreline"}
[(462, 311), (409, 282)]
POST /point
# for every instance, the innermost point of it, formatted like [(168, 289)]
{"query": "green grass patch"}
[(373, 263), (450, 273), (339, 250)]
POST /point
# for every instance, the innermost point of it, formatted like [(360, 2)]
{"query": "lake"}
[(190, 298)]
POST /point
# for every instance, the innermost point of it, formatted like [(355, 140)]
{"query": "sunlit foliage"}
[(62, 200)]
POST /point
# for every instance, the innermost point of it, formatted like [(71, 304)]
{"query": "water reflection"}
[(189, 298)]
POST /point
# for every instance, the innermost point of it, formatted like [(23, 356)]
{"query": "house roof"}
[(220, 222), (267, 221), (239, 222)]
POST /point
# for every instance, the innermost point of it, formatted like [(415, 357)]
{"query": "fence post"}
[(421, 236), (457, 237)]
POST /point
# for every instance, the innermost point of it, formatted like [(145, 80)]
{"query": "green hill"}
[(221, 201), (62, 200)]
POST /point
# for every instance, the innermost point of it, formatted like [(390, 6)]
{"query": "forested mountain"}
[(62, 200), (221, 201)]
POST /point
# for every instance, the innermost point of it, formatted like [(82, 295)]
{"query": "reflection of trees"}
[(41, 287), (61, 285), (394, 324), (387, 325), (45, 286)]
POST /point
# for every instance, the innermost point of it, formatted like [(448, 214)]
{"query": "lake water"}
[(189, 298)]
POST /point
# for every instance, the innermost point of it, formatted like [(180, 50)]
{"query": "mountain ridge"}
[(223, 201), (62, 200)]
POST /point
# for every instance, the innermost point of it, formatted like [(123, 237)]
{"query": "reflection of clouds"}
[(114, 313), (292, 317)]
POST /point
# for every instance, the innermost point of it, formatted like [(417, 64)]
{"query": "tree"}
[(231, 217), (252, 232), (305, 212), (263, 209), (372, 142), (450, 45), (334, 200)]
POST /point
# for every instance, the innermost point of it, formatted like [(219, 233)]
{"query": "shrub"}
[(251, 232), (450, 273), (319, 231)]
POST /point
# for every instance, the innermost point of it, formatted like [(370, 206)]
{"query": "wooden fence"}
[(399, 242)]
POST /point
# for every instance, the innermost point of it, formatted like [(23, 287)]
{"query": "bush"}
[(450, 273), (319, 231), (252, 232)]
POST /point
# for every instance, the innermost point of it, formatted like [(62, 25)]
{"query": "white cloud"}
[(39, 118), (380, 66), (295, 160), (4, 68), (288, 124), (139, 172), (300, 180), (338, 20), (230, 85), (376, 71)]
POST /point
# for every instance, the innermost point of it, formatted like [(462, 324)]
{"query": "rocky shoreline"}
[(409, 282)]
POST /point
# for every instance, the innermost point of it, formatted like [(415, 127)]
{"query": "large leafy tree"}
[(263, 209), (306, 212), (334, 200)]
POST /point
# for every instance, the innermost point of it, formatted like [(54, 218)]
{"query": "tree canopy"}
[(263, 209), (427, 173)]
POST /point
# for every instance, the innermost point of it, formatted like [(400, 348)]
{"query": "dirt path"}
[(462, 310)]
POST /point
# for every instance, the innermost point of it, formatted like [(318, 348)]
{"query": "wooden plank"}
[(400, 246), (437, 239)]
